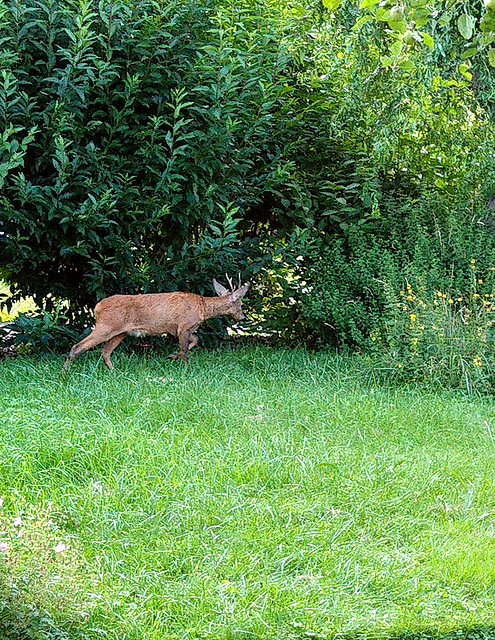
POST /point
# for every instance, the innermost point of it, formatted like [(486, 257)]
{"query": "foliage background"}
[(149, 146)]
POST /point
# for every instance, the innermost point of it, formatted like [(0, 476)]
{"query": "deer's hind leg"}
[(97, 336)]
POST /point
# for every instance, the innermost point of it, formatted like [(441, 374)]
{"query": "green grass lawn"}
[(259, 494)]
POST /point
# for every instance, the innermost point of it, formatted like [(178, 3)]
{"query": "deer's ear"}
[(219, 289), (239, 293)]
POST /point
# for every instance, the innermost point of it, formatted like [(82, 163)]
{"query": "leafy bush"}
[(131, 138), (347, 289), (40, 331), (446, 338), (423, 312)]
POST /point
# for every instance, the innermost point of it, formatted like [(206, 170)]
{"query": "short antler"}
[(231, 284), (229, 280)]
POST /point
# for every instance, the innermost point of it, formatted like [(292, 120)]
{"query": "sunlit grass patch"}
[(261, 494)]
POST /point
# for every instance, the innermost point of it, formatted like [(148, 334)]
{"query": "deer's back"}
[(152, 313)]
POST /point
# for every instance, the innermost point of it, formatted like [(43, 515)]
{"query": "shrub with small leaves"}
[(43, 331), (347, 289), (446, 337)]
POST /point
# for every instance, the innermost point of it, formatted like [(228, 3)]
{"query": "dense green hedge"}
[(139, 143), (151, 146)]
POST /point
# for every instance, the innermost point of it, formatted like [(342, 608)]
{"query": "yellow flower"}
[(413, 317), (477, 361), (415, 341), (410, 297), (472, 261), (480, 281), (450, 301)]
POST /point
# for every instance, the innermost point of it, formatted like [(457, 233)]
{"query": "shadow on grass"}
[(473, 633), (22, 621)]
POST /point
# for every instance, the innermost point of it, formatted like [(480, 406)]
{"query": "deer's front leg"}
[(185, 339)]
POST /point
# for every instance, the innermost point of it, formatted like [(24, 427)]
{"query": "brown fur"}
[(177, 313)]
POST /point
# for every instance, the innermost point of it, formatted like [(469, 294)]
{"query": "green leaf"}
[(362, 20), (407, 65), (421, 17), (465, 24), (487, 23), (396, 48), (445, 18), (331, 5), (428, 40), (398, 25), (491, 57), (386, 61), (463, 69), (469, 53), (382, 14), (486, 39)]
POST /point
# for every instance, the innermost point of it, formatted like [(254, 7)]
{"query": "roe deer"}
[(176, 313)]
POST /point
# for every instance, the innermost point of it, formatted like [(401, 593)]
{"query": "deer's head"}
[(234, 295)]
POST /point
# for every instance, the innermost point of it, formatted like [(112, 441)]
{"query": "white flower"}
[(3, 546), (61, 546), (18, 521)]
